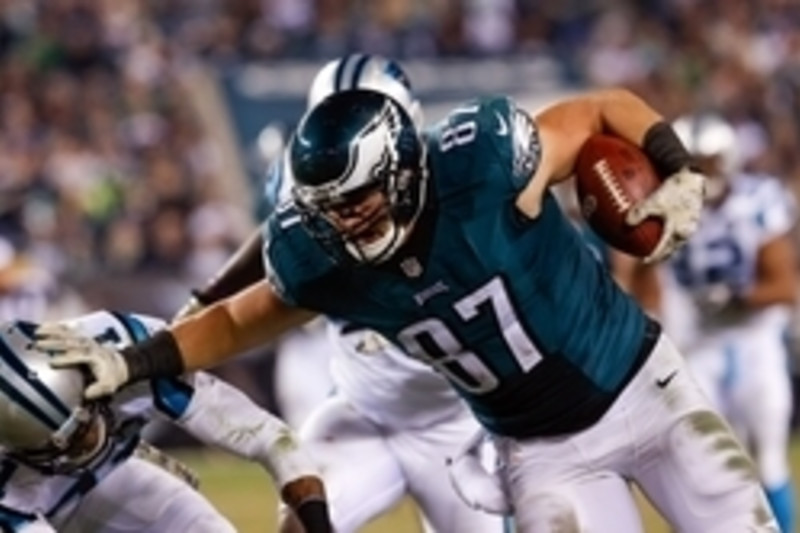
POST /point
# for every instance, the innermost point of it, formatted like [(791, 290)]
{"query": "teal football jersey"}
[(599, 248), (516, 313)]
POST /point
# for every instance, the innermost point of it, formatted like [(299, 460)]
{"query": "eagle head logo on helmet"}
[(359, 169)]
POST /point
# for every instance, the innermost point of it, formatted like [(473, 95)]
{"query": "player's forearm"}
[(765, 294), (624, 113), (306, 498), (222, 331), (222, 415), (630, 117), (243, 269), (566, 126)]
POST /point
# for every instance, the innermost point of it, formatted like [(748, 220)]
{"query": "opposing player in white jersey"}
[(67, 465), (393, 422), (739, 271)]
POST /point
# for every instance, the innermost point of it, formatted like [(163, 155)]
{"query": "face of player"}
[(364, 220)]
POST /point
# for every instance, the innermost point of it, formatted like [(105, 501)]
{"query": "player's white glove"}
[(70, 348), (678, 202), (478, 488), (192, 306)]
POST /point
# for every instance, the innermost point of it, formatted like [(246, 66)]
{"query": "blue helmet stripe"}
[(26, 328), (8, 356), (357, 70), (395, 71), (15, 395), (337, 78)]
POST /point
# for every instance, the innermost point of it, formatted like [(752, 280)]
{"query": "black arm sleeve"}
[(243, 269)]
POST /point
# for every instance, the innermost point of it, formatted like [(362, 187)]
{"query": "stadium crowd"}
[(106, 168)]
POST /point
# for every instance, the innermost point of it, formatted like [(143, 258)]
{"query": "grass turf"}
[(244, 493)]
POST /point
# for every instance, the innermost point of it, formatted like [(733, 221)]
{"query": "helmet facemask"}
[(74, 445), (366, 213), (45, 421)]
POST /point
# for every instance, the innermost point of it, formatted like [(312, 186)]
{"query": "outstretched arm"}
[(250, 318), (221, 415), (244, 268)]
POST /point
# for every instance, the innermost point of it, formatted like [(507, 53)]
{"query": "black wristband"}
[(156, 357), (313, 514), (665, 150)]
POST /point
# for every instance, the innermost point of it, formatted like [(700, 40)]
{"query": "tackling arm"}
[(221, 415), (248, 319), (776, 275), (244, 268)]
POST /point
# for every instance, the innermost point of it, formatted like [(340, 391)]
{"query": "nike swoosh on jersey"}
[(662, 383)]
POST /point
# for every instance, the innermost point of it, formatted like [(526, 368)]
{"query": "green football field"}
[(243, 492)]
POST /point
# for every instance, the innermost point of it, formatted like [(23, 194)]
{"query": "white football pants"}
[(369, 468), (141, 497), (302, 372), (668, 439)]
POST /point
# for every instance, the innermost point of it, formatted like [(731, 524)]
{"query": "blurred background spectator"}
[(122, 160)]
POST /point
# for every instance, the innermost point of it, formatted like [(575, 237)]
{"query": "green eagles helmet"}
[(351, 148)]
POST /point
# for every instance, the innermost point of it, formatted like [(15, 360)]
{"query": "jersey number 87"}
[(432, 341)]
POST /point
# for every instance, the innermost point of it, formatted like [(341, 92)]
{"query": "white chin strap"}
[(382, 248)]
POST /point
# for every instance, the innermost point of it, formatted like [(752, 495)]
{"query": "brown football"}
[(611, 176)]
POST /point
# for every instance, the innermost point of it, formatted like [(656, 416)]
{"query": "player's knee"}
[(708, 455), (547, 512)]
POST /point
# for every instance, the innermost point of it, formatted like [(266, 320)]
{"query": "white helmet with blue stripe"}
[(42, 411), (710, 137), (364, 71)]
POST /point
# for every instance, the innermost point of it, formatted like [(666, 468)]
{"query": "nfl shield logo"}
[(411, 267)]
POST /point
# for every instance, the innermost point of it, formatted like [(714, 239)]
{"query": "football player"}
[(449, 244), (69, 465), (399, 417), (740, 272)]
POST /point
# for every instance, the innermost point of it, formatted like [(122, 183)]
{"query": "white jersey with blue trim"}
[(209, 409), (725, 248), (386, 385)]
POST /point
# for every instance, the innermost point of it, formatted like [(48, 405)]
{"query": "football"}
[(611, 176)]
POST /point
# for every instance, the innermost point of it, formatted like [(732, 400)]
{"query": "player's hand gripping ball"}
[(611, 176)]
